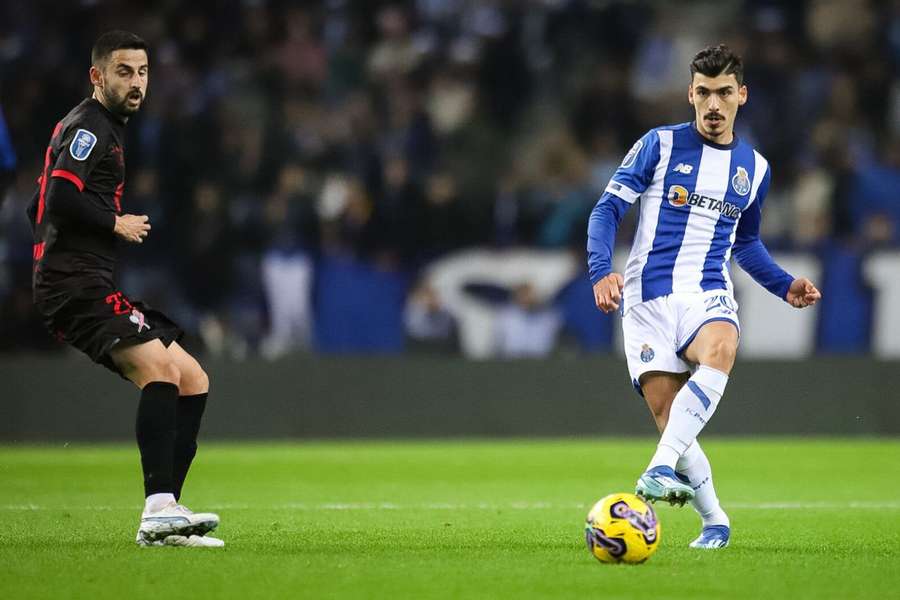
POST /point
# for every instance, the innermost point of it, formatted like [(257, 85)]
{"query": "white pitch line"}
[(391, 506)]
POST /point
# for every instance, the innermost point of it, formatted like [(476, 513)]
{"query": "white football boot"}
[(192, 541), (174, 520)]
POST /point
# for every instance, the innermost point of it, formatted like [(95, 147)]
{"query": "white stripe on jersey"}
[(759, 173), (646, 229), (688, 272), (762, 166)]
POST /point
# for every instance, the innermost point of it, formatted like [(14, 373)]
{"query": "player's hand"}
[(802, 293), (132, 228), (608, 292)]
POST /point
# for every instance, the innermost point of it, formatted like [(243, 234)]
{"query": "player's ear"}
[(742, 95), (96, 76), (691, 94)]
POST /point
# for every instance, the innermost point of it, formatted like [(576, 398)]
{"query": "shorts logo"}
[(137, 317), (647, 353), (81, 146), (741, 182), (678, 195), (632, 154)]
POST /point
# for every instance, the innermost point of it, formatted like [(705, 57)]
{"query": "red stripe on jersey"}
[(43, 193), (44, 175), (70, 176), (38, 251), (117, 198)]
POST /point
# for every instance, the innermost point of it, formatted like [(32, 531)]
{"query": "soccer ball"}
[(622, 528)]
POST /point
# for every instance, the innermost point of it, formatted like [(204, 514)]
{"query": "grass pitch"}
[(813, 518)]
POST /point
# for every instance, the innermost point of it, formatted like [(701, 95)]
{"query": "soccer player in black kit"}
[(78, 219)]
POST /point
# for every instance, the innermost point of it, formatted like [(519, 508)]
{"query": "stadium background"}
[(370, 216)]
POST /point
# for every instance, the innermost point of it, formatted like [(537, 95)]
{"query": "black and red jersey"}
[(78, 197)]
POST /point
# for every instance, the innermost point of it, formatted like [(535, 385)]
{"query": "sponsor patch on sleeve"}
[(81, 146)]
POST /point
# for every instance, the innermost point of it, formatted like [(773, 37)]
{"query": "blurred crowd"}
[(277, 135)]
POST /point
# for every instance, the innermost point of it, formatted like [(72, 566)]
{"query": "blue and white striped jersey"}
[(698, 201)]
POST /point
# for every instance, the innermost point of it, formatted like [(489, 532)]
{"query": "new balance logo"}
[(683, 168)]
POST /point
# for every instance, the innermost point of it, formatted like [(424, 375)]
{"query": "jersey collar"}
[(108, 113), (703, 140)]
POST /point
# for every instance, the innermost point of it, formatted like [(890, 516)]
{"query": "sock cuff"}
[(713, 379), (161, 387)]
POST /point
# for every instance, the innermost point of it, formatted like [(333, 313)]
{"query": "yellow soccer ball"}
[(622, 528)]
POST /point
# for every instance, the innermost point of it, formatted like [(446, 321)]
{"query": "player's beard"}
[(121, 105)]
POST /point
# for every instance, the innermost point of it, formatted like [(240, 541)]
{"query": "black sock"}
[(190, 413), (155, 429)]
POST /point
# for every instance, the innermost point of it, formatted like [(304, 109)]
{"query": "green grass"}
[(452, 519)]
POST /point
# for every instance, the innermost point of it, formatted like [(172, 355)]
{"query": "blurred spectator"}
[(20, 327), (427, 322), (394, 53), (278, 136), (206, 269), (443, 225), (397, 212), (300, 57), (7, 156), (526, 328), (287, 265)]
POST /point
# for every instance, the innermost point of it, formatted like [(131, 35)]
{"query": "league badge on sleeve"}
[(632, 154), (741, 182), (81, 146)]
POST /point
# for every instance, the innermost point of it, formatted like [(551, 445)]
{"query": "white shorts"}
[(659, 330)]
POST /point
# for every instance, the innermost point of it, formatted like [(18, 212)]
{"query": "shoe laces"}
[(183, 509)]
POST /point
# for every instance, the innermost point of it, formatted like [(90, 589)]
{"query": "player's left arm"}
[(752, 255)]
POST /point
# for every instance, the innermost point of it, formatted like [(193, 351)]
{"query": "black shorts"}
[(96, 323)]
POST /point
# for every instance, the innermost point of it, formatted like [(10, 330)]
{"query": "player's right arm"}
[(65, 200), (68, 206), (630, 180)]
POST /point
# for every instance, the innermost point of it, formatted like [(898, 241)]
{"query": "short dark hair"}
[(713, 61), (111, 41)]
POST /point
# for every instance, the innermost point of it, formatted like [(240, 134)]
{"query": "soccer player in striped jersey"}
[(701, 192)]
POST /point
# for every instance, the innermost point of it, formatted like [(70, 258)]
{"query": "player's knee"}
[(721, 353), (194, 382), (168, 372)]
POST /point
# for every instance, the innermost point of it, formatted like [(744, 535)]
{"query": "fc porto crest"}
[(647, 353), (741, 182), (81, 146)]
